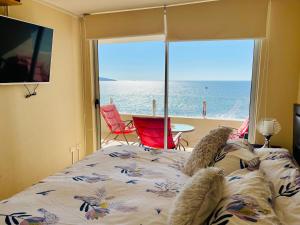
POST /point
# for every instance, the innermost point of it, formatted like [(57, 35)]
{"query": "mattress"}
[(117, 185)]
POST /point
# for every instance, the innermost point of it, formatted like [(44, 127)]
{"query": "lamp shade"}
[(268, 126)]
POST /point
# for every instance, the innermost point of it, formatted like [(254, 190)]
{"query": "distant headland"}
[(106, 79)]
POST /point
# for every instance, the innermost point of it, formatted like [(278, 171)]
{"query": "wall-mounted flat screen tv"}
[(25, 52)]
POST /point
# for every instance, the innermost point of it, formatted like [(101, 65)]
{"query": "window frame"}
[(253, 93)]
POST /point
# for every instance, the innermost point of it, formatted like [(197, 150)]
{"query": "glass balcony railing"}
[(153, 107)]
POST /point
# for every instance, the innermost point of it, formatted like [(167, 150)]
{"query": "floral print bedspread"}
[(284, 174), (125, 185)]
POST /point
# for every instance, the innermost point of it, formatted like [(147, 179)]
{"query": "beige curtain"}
[(224, 19), (89, 94), (125, 24)]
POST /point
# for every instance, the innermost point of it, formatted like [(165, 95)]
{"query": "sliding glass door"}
[(200, 85), (131, 78), (209, 85)]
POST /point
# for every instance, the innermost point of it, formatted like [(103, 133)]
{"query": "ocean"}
[(225, 99)]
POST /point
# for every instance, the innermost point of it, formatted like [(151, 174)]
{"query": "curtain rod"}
[(153, 7)]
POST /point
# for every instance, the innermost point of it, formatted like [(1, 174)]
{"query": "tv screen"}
[(25, 52)]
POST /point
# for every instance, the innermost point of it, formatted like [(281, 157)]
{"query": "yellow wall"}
[(36, 134), (281, 69), (299, 89)]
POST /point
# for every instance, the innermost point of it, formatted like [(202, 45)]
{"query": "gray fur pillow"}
[(205, 151), (198, 198)]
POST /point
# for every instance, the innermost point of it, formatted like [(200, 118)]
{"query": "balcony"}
[(201, 127)]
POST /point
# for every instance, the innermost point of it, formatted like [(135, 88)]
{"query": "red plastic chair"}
[(115, 123), (151, 132), (240, 133)]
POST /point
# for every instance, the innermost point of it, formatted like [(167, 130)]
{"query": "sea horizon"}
[(225, 99)]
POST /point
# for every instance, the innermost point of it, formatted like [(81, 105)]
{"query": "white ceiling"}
[(80, 7)]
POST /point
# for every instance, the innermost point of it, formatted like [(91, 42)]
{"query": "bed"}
[(117, 185), (131, 185)]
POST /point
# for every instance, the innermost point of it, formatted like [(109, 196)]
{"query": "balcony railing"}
[(154, 106)]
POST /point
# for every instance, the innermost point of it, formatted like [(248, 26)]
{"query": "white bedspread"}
[(119, 185)]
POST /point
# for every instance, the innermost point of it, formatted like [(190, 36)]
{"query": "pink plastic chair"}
[(240, 133), (115, 123), (151, 132)]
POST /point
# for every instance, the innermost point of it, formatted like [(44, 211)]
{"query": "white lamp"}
[(268, 127)]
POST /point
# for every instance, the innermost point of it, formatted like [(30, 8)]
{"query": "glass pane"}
[(216, 71), (132, 77), (210, 80)]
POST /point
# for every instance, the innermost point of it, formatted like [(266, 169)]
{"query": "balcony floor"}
[(111, 143)]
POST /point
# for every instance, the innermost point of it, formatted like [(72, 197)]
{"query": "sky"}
[(193, 60)]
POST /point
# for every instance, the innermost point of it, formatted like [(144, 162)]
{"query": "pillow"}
[(198, 198), (205, 151), (235, 156), (267, 152), (243, 143), (247, 200), (281, 169)]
